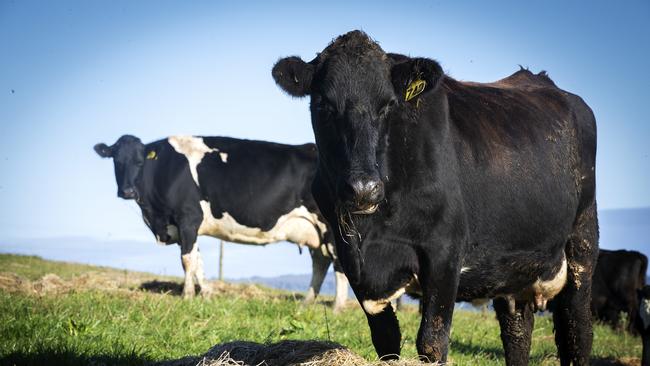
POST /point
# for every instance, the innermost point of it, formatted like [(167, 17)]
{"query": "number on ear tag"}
[(152, 155), (415, 88)]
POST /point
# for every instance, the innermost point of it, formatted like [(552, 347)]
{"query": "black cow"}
[(618, 277), (242, 191), (456, 190)]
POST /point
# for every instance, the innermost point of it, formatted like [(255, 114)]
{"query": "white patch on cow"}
[(224, 157), (644, 313), (172, 231), (552, 287), (194, 150), (464, 269), (377, 306), (297, 226)]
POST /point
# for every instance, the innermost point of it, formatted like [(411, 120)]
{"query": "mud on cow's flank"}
[(63, 313)]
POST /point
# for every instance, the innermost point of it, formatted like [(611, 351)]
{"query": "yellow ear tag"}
[(152, 155), (415, 88)]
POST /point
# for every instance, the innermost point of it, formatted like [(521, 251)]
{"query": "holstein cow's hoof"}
[(206, 292), (188, 294), (309, 299)]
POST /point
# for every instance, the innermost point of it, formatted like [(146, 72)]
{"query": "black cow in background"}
[(619, 276), (456, 190), (643, 323), (241, 191)]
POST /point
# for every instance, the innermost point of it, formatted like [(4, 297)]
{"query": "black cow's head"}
[(128, 158), (355, 88)]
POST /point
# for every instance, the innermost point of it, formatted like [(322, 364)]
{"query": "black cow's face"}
[(128, 159), (354, 87)]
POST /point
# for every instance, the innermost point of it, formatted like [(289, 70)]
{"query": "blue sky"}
[(74, 73)]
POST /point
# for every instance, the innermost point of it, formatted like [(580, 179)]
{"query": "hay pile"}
[(51, 284), (290, 352)]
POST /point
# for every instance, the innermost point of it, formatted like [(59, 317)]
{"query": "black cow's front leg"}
[(439, 281), (516, 321), (384, 331)]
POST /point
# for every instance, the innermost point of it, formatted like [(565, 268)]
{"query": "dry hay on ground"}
[(51, 284), (290, 352)]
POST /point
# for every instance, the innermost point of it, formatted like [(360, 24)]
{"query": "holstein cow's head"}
[(355, 87), (128, 159)]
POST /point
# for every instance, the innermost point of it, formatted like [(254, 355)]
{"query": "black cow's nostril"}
[(367, 192), (127, 193), (365, 188)]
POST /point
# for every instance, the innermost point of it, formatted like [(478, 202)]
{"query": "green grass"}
[(131, 326)]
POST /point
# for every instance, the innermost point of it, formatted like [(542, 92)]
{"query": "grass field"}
[(62, 313)]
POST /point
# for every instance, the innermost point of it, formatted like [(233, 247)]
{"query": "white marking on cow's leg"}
[(194, 150), (373, 307), (341, 291), (319, 265), (199, 274), (644, 313), (188, 267), (224, 157)]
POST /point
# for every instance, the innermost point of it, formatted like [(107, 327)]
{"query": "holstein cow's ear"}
[(293, 75), (103, 150), (411, 77)]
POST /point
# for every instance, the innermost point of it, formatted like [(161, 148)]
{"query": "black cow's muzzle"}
[(127, 193), (364, 195)]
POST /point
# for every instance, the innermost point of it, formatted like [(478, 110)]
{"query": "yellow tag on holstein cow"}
[(415, 88), (152, 155)]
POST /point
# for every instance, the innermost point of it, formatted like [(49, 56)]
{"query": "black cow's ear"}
[(103, 150), (293, 75), (412, 77)]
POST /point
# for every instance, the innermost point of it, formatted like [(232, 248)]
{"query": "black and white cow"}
[(241, 191), (618, 277), (456, 190)]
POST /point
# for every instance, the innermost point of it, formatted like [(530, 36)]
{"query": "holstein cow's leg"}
[(199, 274), (572, 317), (438, 278), (319, 265), (516, 329), (189, 250), (341, 287)]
